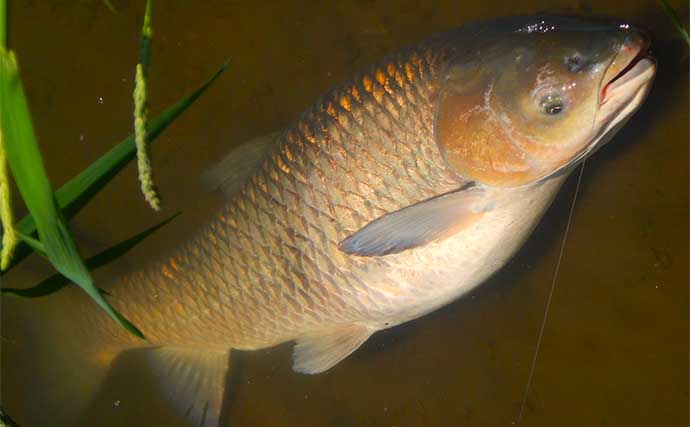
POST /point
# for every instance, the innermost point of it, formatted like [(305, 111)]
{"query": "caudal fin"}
[(51, 367), (54, 361)]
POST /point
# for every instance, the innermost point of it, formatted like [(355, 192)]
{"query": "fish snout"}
[(634, 48)]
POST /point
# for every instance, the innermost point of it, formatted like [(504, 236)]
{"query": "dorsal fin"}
[(232, 172)]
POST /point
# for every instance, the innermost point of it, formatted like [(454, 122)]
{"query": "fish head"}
[(530, 103)]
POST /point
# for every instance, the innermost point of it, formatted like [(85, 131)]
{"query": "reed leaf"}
[(6, 420), (3, 24), (110, 6), (673, 16), (58, 281), (34, 244)]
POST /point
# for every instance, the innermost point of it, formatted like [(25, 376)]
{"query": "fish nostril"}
[(633, 43), (637, 40), (575, 63)]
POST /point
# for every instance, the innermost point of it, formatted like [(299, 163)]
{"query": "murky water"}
[(615, 347)]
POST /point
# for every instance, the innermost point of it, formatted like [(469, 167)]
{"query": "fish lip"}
[(642, 44)]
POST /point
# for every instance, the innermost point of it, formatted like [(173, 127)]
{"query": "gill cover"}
[(470, 134)]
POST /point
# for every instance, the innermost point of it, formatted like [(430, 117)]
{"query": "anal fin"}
[(193, 381), (319, 352)]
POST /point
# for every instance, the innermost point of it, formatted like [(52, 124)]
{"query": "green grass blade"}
[(58, 281), (110, 6), (671, 12), (78, 191), (3, 24), (26, 164), (34, 244), (123, 247), (5, 420)]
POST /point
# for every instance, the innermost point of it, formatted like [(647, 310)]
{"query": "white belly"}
[(427, 278)]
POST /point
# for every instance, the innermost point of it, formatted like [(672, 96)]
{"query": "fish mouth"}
[(628, 80), (632, 67)]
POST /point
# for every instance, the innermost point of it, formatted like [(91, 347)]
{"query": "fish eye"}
[(552, 104)]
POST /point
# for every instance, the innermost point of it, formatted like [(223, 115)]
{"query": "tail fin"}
[(51, 367), (54, 363)]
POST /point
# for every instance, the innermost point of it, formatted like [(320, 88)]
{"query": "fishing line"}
[(548, 300)]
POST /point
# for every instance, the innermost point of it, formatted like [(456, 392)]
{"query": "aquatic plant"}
[(6, 420), (9, 236), (673, 16), (141, 111), (44, 230)]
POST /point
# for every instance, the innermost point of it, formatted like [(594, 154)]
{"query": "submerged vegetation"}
[(673, 16), (45, 229), (6, 420)]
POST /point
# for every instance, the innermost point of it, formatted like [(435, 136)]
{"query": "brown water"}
[(615, 345)]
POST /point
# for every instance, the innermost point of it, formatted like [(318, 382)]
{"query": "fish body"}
[(394, 194), (268, 267)]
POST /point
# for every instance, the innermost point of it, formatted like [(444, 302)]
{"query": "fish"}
[(394, 194)]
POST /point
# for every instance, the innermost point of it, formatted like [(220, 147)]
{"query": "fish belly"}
[(456, 265)]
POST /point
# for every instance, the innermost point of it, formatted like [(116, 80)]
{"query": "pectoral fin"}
[(193, 381), (425, 222), (317, 353)]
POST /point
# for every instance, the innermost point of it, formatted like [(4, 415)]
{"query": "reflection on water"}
[(615, 349)]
